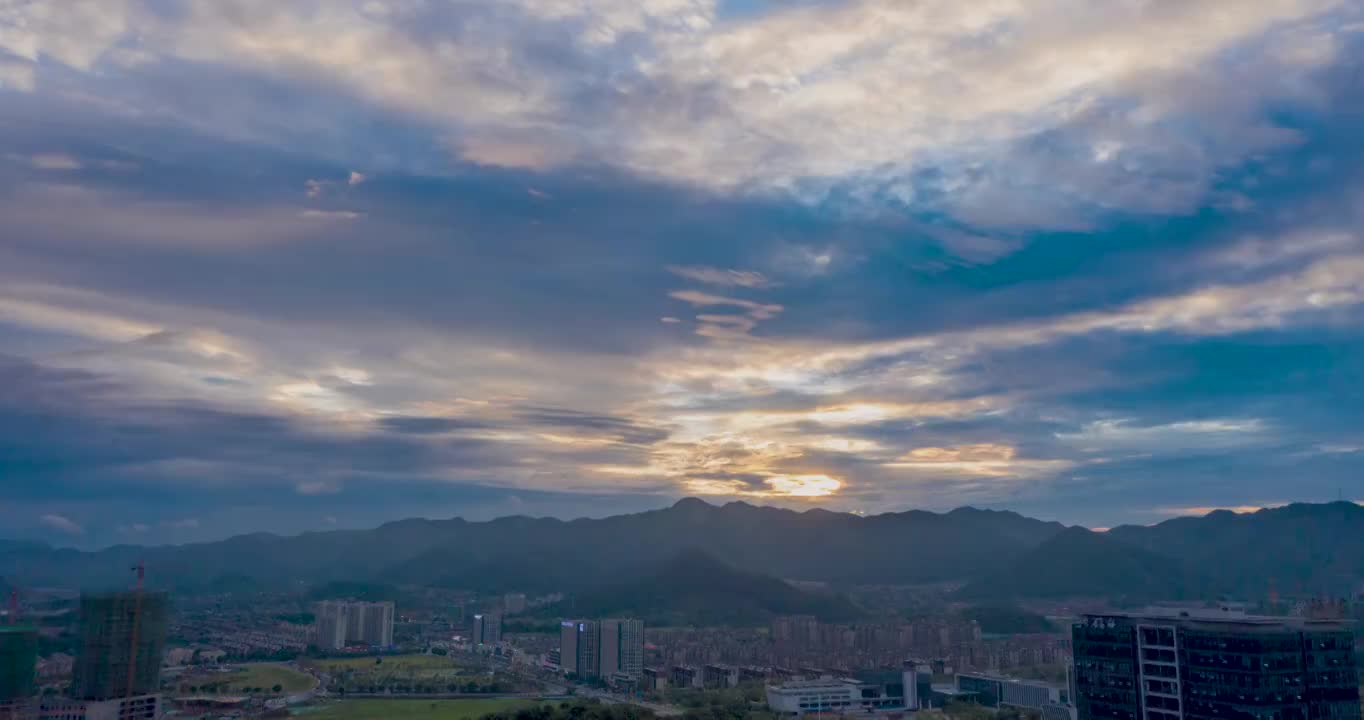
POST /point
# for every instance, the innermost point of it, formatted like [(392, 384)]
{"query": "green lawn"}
[(390, 662), (412, 709), (253, 675)]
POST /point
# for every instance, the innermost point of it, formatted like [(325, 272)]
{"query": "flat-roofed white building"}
[(826, 695)]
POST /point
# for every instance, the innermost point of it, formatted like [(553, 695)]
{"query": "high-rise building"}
[(18, 662), (122, 636), (18, 666), (487, 629), (589, 644), (378, 625), (622, 647), (602, 649), (339, 623), (568, 646), (1192, 665), (331, 620), (608, 648), (355, 622)]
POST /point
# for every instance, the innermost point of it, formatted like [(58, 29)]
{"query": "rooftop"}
[(1227, 617), (1007, 679)]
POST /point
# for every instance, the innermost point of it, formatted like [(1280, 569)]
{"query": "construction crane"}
[(13, 607), (141, 571)]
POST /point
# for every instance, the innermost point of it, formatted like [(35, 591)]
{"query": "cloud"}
[(16, 75), (1124, 435), (317, 487), (1199, 511), (62, 524), (330, 214), (980, 460), (914, 103), (593, 424), (726, 327), (1333, 283), (428, 425), (55, 161), (721, 276), (858, 223)]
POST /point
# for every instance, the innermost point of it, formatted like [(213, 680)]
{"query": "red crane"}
[(141, 571)]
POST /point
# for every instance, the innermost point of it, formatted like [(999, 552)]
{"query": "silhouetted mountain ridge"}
[(1081, 563), (994, 554), (693, 587)]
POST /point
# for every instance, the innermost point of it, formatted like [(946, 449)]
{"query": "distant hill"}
[(1079, 563), (535, 554), (996, 556), (1298, 549), (695, 588)]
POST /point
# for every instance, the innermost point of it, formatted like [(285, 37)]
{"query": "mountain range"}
[(1302, 548), (695, 588)]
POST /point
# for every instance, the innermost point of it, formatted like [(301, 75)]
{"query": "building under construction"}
[(123, 635), (18, 659)]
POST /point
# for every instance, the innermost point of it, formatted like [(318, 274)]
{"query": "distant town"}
[(374, 650)]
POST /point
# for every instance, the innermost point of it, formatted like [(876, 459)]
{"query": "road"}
[(612, 699)]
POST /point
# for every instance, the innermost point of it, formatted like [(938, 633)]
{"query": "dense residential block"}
[(339, 623)]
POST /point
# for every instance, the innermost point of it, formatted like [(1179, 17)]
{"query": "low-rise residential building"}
[(655, 679), (138, 707), (685, 676), (717, 676)]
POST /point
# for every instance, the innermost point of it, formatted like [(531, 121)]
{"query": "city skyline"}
[(328, 265)]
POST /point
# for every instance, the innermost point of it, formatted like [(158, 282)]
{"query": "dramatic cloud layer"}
[(280, 266)]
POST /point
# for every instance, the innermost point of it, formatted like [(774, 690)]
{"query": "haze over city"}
[(303, 266)]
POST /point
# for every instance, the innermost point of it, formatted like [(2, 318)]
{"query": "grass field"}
[(390, 662), (412, 709), (255, 675)]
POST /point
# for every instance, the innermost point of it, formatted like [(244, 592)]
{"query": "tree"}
[(277, 687)]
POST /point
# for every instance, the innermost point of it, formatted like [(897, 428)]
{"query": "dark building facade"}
[(1213, 666), (589, 650), (109, 657), (18, 658)]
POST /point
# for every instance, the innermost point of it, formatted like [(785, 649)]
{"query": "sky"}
[(324, 264)]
